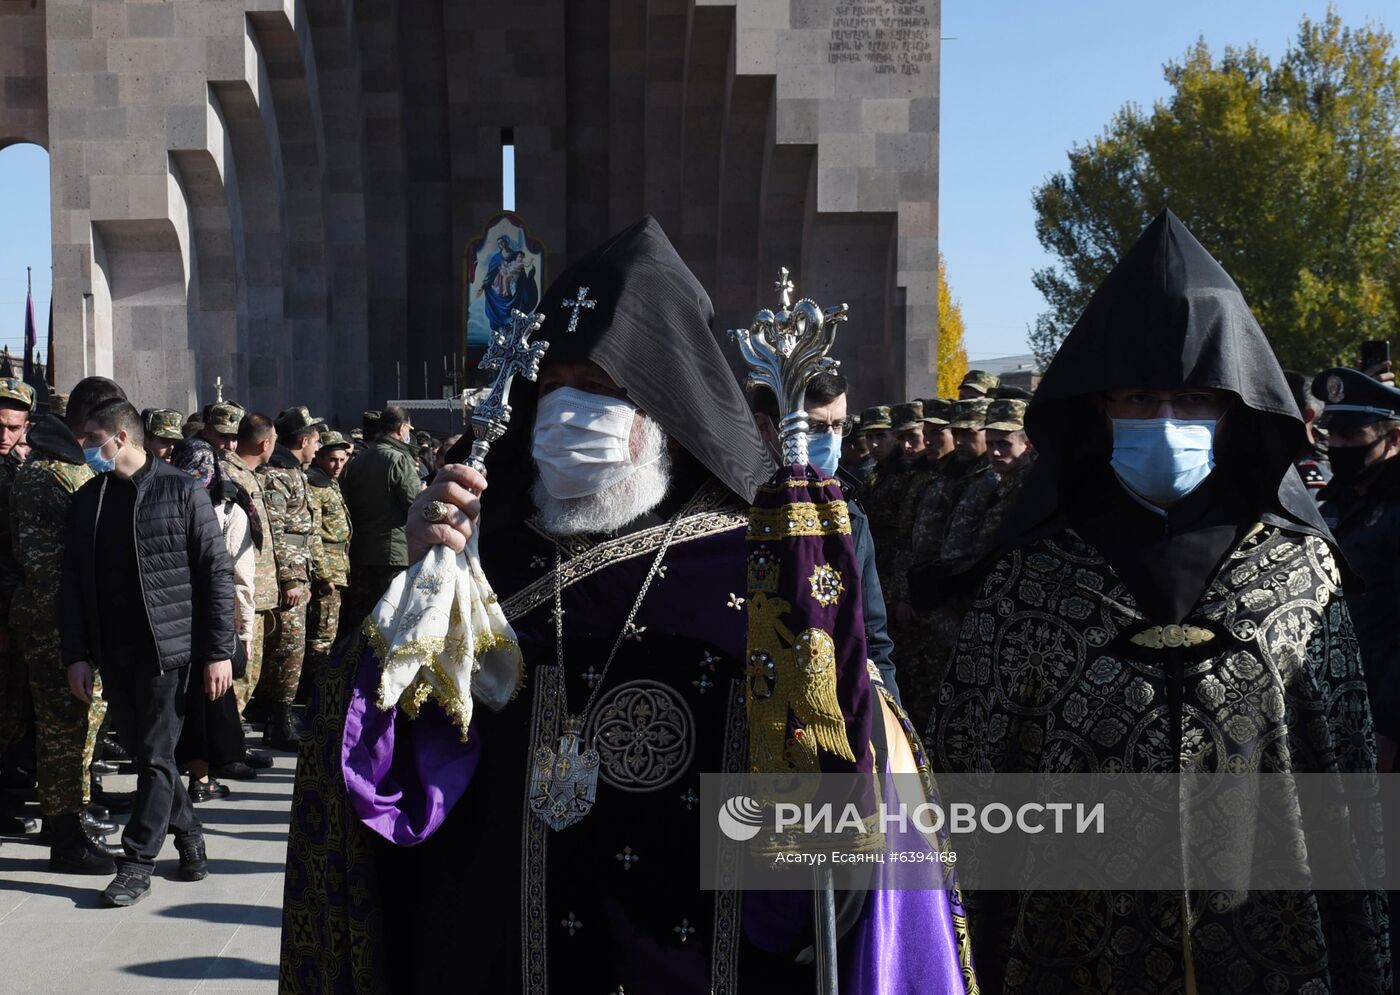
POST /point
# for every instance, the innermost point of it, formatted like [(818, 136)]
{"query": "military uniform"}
[(266, 590), (295, 544), (954, 473), (980, 382), (884, 502), (927, 641), (16, 707), (65, 728), (332, 565), (165, 423)]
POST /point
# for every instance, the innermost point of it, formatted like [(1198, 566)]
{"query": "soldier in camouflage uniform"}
[(163, 431), (65, 728), (975, 522), (886, 496), (16, 708), (256, 439), (296, 544), (924, 640), (978, 383), (330, 572)]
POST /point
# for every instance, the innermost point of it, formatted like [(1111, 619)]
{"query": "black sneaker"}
[(194, 861), (128, 887)]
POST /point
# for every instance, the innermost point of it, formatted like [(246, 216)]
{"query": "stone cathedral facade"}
[(282, 193)]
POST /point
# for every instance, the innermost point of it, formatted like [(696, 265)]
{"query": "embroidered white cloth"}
[(440, 633)]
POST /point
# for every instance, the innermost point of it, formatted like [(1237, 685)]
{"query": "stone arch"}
[(293, 86), (253, 141), (24, 80)]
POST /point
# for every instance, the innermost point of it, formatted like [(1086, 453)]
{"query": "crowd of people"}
[(135, 544), (1171, 556)]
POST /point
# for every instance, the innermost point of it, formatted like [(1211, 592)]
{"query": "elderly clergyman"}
[(614, 532), (1170, 603)]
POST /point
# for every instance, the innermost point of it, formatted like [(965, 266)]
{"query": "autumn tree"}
[(1288, 173), (952, 351)]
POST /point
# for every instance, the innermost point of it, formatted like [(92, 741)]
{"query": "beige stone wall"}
[(279, 192)]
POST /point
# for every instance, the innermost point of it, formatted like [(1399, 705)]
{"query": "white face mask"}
[(583, 442)]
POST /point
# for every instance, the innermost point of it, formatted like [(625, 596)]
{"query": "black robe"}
[(1056, 671)]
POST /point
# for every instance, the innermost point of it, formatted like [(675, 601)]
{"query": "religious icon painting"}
[(503, 269)]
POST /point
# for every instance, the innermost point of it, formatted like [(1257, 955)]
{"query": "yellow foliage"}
[(952, 351)]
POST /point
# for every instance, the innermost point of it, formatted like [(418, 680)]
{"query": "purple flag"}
[(31, 337)]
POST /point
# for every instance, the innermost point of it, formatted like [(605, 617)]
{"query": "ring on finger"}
[(437, 512)]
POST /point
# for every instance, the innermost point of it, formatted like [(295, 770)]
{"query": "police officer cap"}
[(1353, 399)]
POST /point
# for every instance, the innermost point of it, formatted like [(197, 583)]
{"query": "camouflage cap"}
[(297, 419), (937, 411), (164, 423), (357, 434), (971, 414), (331, 439), (224, 418), (980, 381), (907, 417), (13, 389), (58, 405), (1007, 415), (875, 419)]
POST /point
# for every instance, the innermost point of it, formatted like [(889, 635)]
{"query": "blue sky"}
[(1023, 81), (24, 241)]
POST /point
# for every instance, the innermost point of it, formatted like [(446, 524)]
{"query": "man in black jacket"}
[(149, 587)]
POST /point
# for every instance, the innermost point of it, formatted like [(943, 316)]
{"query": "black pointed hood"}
[(646, 321), (1167, 317)]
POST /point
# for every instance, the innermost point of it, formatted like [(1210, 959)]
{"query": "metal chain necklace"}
[(564, 781)]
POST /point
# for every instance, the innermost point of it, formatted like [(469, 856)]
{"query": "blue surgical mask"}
[(1162, 459), (96, 461), (824, 452)]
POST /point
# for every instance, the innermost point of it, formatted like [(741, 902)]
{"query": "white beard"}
[(616, 506)]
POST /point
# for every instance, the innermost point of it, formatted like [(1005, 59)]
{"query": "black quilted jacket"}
[(186, 573)]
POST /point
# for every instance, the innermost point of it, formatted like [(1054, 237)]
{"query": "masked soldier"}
[(330, 571), (295, 544), (16, 710)]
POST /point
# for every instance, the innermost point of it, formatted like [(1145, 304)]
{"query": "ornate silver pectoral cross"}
[(564, 782), (581, 301)]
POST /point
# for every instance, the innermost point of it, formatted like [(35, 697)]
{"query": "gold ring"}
[(437, 512)]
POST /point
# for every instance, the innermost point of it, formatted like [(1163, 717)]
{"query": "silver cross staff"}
[(510, 354), (783, 352)]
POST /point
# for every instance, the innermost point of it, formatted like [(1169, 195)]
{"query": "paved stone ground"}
[(216, 935)]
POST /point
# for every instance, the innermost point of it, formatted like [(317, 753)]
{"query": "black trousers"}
[(147, 710)]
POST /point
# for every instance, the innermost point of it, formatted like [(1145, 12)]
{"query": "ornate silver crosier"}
[(510, 354), (784, 351)]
